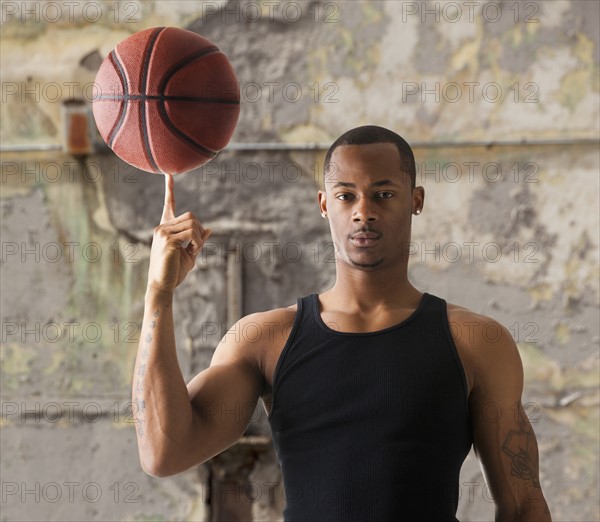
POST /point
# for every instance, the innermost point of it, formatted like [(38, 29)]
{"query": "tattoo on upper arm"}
[(139, 404), (521, 447)]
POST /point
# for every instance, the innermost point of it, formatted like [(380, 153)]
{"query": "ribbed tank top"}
[(370, 426)]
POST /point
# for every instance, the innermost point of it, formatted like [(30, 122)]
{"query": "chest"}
[(334, 321), (345, 323), (403, 378)]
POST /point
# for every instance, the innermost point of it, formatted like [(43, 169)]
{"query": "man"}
[(374, 390)]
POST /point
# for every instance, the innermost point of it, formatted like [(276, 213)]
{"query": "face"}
[(367, 194)]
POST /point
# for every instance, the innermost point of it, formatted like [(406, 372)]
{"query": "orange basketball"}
[(166, 100)]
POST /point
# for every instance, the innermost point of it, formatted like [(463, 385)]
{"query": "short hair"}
[(368, 134)]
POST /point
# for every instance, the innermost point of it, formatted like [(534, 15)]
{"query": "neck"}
[(371, 290)]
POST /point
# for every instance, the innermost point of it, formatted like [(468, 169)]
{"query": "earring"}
[(323, 215), (418, 211)]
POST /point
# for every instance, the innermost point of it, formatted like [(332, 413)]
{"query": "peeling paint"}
[(373, 56)]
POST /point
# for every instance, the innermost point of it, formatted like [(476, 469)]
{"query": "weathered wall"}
[(509, 230)]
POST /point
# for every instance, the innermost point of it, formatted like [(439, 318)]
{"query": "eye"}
[(390, 194), (344, 194)]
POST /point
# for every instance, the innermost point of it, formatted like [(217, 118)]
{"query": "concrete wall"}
[(510, 229)]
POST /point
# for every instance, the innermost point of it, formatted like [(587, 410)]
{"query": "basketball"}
[(166, 100)]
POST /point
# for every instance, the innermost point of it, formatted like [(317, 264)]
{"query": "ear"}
[(322, 197), (418, 199)]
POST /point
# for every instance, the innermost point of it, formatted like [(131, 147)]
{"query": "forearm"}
[(161, 404), (537, 511)]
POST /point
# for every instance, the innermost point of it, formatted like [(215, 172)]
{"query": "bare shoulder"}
[(276, 324), (256, 339), (484, 344), (471, 327), (280, 316), (259, 328)]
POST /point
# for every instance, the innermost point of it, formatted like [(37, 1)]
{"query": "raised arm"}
[(181, 426), (504, 440), (178, 426), (161, 406)]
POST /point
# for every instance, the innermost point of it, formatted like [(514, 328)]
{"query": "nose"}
[(364, 211)]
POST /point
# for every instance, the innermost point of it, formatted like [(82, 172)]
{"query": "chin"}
[(365, 266)]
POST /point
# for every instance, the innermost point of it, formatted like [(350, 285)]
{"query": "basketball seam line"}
[(162, 112), (122, 110), (164, 97), (145, 70), (207, 51)]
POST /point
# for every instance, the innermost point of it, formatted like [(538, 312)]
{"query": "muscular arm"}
[(504, 440), (224, 395), (162, 410), (179, 426)]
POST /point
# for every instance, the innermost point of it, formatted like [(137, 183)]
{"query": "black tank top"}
[(370, 427)]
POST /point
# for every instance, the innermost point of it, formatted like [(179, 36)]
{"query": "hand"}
[(170, 261)]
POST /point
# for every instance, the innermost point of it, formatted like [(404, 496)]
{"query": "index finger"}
[(169, 207)]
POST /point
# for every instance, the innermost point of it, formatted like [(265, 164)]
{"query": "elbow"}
[(152, 466), (158, 470), (165, 458), (157, 467), (156, 454)]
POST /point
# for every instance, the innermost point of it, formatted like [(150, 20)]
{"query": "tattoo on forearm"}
[(520, 446), (139, 405)]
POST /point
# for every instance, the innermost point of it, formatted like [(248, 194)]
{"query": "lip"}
[(365, 239), (366, 235)]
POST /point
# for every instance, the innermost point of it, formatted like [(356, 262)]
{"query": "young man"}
[(374, 390)]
